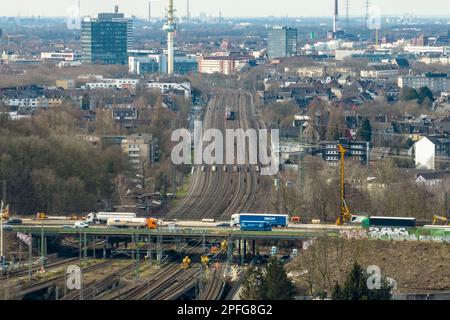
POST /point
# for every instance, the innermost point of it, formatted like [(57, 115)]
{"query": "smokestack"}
[(336, 16), (149, 11), (116, 9), (188, 11)]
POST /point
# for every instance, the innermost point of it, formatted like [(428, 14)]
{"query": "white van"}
[(81, 225)]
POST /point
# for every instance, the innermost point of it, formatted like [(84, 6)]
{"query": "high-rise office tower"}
[(282, 42), (107, 38)]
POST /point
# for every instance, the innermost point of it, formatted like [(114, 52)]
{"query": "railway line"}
[(96, 288), (168, 283), (57, 280), (25, 271), (215, 284), (229, 188)]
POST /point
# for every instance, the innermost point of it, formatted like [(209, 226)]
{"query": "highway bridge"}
[(185, 232)]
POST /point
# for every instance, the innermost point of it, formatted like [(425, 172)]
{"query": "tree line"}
[(48, 168)]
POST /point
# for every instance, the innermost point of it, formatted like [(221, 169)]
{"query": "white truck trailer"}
[(102, 217)]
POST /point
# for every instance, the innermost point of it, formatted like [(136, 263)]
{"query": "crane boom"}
[(345, 214)]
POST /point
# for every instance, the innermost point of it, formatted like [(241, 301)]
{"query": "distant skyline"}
[(228, 8)]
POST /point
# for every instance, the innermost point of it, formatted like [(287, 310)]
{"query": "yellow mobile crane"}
[(345, 215)]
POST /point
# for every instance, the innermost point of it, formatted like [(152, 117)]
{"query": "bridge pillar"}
[(253, 249), (80, 248), (133, 246), (85, 247), (239, 248), (229, 252), (244, 252), (149, 250), (159, 249), (93, 252)]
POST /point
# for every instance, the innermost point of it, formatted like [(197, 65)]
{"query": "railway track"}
[(220, 193), (168, 284), (96, 288), (212, 194), (215, 286), (54, 281), (49, 266)]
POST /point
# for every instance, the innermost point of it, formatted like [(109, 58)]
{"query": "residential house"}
[(432, 152)]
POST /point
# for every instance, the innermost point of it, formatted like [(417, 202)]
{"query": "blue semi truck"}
[(274, 220)]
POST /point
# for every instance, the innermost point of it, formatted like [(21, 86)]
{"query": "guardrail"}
[(162, 231)]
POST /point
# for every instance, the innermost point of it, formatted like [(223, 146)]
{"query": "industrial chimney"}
[(116, 9), (336, 16)]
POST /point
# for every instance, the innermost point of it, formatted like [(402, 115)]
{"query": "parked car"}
[(12, 222), (223, 225), (81, 225), (7, 227)]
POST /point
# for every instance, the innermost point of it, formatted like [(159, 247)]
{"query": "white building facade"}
[(425, 154)]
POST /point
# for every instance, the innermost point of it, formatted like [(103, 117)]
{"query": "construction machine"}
[(205, 261), (41, 216), (186, 264), (224, 245), (5, 213), (345, 214), (441, 219)]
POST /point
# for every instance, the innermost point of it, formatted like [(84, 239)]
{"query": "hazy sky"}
[(229, 8)]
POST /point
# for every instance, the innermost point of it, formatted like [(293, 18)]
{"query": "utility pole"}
[(174, 181), (30, 257), (1, 237), (2, 209), (447, 209), (42, 244), (4, 193)]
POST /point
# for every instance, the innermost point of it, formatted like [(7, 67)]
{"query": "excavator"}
[(345, 215), (441, 219)]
